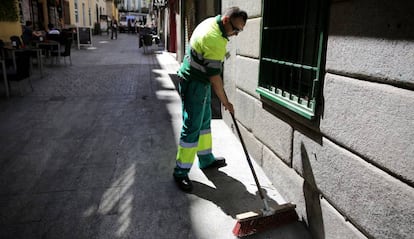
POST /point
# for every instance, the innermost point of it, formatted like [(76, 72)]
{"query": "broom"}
[(256, 221)]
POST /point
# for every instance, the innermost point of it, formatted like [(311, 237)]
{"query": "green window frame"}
[(292, 53)]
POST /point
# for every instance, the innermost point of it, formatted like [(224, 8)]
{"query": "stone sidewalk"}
[(90, 153)]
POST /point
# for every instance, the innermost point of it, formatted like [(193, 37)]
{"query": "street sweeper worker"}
[(200, 71)]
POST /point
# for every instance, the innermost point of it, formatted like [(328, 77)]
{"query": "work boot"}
[(217, 163), (184, 183)]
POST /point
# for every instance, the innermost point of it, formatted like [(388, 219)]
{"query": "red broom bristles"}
[(258, 223)]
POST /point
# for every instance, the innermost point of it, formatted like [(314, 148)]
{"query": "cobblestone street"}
[(90, 152)]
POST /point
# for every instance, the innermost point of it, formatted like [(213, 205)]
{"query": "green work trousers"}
[(195, 138)]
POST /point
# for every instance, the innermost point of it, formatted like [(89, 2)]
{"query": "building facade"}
[(87, 12), (134, 5), (324, 92), (61, 13)]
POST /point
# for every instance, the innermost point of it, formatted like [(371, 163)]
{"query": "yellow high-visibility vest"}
[(206, 52)]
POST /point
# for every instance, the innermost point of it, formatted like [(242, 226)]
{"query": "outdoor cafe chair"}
[(3, 54), (16, 42), (147, 41), (54, 37), (35, 53), (22, 71), (49, 46), (65, 52)]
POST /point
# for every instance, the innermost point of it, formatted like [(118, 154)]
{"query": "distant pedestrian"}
[(129, 26), (114, 29)]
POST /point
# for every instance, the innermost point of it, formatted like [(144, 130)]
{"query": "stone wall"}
[(350, 171)]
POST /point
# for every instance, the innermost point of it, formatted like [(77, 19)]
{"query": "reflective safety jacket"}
[(205, 55)]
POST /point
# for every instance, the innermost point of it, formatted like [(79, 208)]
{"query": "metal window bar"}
[(302, 51), (290, 76), (290, 64), (322, 8)]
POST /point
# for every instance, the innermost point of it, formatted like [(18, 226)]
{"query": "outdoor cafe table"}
[(49, 45), (13, 51)]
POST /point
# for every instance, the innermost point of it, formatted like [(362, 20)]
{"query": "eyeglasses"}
[(235, 29)]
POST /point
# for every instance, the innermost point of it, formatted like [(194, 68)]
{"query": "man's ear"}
[(225, 19)]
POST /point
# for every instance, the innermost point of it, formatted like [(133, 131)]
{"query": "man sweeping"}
[(201, 69)]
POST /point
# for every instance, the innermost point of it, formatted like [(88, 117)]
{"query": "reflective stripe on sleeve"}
[(200, 63), (213, 64), (197, 66)]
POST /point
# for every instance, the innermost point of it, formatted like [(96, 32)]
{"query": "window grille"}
[(291, 53)]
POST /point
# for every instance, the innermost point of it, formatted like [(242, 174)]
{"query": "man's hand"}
[(217, 84), (229, 106)]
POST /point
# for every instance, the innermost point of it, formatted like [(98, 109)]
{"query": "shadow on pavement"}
[(229, 194), (232, 197)]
